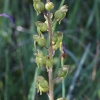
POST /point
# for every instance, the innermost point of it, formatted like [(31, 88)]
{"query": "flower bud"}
[(42, 84), (41, 41), (35, 37), (40, 59), (57, 40), (59, 35), (41, 27), (58, 15), (62, 72), (61, 99), (56, 46), (49, 62), (38, 6), (61, 13), (49, 6)]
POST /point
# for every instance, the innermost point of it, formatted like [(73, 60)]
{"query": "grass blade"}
[(78, 72), (32, 91)]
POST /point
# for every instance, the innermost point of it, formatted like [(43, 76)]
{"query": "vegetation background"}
[(18, 70)]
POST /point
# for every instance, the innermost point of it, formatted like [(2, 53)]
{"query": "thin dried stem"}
[(96, 61)]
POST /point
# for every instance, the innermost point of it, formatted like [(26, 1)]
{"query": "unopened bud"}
[(40, 59), (58, 15), (61, 13), (38, 6), (62, 72), (42, 84), (49, 6), (41, 27), (41, 42)]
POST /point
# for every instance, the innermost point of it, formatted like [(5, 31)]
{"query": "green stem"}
[(6, 75), (63, 82), (50, 72)]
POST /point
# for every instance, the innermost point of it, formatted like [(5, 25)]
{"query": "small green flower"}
[(41, 27), (61, 13), (49, 62), (38, 6), (58, 36), (62, 72), (42, 84), (40, 59), (35, 37), (40, 40), (57, 40), (56, 46), (49, 6)]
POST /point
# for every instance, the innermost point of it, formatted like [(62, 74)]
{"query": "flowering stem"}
[(50, 72), (63, 82)]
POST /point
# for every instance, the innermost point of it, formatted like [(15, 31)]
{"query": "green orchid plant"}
[(55, 43)]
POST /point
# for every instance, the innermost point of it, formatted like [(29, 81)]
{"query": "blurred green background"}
[(18, 70)]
